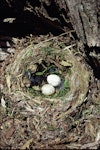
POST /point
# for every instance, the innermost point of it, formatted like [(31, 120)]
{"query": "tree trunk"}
[(85, 16), (56, 16), (86, 19)]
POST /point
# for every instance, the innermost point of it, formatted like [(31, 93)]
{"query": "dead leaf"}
[(9, 132), (90, 129), (3, 103), (65, 63), (27, 144), (8, 81)]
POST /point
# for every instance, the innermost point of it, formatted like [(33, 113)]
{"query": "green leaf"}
[(66, 84)]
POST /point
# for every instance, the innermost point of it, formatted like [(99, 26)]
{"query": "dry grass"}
[(67, 121)]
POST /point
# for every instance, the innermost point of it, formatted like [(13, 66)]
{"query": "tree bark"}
[(85, 16)]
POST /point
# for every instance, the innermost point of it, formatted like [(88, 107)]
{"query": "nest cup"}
[(72, 71)]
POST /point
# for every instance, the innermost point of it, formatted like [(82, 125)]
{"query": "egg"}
[(54, 80), (47, 89)]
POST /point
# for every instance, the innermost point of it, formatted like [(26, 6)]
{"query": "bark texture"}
[(85, 16)]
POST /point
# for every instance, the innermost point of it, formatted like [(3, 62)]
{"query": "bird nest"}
[(27, 74)]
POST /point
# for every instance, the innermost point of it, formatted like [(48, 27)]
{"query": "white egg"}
[(54, 80), (48, 89)]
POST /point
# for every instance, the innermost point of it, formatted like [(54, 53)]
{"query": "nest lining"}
[(72, 70)]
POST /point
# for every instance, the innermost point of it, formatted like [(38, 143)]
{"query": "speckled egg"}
[(48, 89), (54, 80)]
